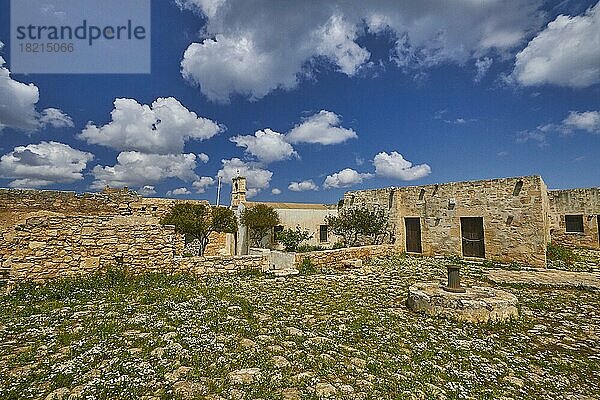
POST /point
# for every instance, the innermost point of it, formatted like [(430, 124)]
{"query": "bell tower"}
[(238, 191)]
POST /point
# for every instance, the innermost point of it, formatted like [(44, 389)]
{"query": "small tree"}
[(353, 224), (224, 220), (200, 220), (374, 226), (261, 219), (291, 238)]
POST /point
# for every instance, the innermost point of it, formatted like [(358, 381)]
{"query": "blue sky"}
[(312, 99)]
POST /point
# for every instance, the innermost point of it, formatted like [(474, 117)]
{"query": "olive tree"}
[(260, 219), (198, 221), (358, 224), (291, 238)]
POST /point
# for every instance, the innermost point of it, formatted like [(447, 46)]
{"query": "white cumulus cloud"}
[(266, 145), (139, 169), (345, 178), (251, 48), (43, 164), (257, 178), (203, 157), (55, 118), (147, 190), (393, 165), (17, 105), (161, 128), (201, 184), (276, 191), (336, 41), (566, 53), (587, 121), (182, 191), (303, 186), (322, 128)]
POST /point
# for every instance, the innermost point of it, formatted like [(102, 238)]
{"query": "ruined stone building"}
[(46, 234), (506, 220)]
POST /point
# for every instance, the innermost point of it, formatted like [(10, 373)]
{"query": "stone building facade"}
[(499, 219), (308, 217), (506, 220), (575, 217)]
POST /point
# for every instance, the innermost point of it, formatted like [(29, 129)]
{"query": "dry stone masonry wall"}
[(49, 234), (50, 247), (17, 205), (580, 203), (338, 257)]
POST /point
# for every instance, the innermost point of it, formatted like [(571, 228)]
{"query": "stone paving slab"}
[(549, 277)]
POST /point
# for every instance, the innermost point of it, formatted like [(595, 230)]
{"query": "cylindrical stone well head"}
[(454, 279)]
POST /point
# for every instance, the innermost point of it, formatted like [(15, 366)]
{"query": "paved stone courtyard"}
[(336, 334)]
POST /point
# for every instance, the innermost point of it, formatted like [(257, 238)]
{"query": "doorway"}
[(473, 244), (413, 235)]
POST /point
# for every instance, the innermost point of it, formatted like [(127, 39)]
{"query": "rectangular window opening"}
[(276, 231), (574, 223), (518, 187), (323, 233)]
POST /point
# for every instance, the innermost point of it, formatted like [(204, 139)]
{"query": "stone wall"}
[(515, 228), (218, 244), (335, 258), (17, 204), (48, 247), (584, 202), (210, 265)]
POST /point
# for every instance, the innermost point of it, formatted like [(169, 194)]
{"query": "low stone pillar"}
[(454, 279)]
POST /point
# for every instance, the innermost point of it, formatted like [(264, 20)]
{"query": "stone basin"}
[(477, 305)]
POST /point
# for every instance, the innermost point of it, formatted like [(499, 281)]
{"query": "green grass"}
[(555, 252), (122, 336)]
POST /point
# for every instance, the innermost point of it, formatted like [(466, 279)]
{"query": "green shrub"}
[(556, 252), (307, 267), (291, 238), (454, 259), (513, 266), (250, 273)]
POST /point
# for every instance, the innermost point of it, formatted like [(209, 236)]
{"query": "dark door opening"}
[(473, 244), (598, 221), (413, 235)]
